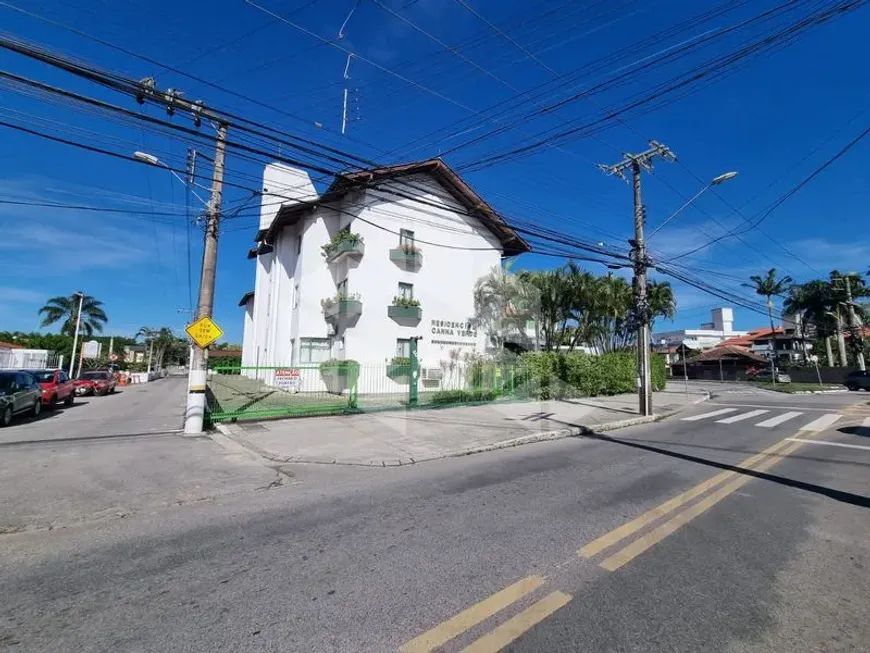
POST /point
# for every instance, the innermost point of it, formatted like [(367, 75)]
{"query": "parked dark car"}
[(56, 385), (857, 380), (95, 383), (19, 393)]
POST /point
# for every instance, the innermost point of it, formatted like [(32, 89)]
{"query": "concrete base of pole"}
[(194, 414)]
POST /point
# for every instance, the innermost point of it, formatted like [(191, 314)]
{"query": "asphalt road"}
[(655, 538)]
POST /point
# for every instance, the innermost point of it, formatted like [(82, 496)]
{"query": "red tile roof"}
[(10, 345), (750, 337)]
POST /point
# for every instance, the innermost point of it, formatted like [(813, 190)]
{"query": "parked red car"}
[(56, 386), (95, 383)]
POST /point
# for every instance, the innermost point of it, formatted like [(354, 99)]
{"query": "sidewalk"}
[(407, 437)]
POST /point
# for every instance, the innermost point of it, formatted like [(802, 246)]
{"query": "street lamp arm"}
[(721, 179), (150, 159)]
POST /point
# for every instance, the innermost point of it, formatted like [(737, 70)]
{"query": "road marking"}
[(779, 419), (832, 444), (514, 627), (821, 423), (655, 536), (741, 416), (472, 616), (695, 418), (609, 539), (821, 410)]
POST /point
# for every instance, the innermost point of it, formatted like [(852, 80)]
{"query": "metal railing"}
[(16, 360)]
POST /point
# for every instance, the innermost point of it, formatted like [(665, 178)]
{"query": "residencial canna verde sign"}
[(450, 332)]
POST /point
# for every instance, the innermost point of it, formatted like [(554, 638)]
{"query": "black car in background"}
[(857, 380), (19, 393)]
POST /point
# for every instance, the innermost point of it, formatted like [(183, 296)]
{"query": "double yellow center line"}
[(760, 462)]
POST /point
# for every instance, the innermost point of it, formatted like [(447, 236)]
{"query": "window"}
[(314, 350), (406, 290), (403, 348), (406, 237), (62, 377)]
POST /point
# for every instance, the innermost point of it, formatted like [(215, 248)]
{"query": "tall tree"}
[(769, 286), (65, 310), (503, 305)]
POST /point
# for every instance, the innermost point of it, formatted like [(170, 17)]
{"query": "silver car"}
[(19, 393)]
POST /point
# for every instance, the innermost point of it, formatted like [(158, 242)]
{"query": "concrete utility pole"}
[(197, 375), (635, 162), (72, 358), (857, 338), (195, 413)]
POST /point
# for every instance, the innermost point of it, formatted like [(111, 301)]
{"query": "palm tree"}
[(662, 302), (65, 309), (769, 286), (503, 304)]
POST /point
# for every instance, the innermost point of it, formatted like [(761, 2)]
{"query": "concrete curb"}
[(235, 436)]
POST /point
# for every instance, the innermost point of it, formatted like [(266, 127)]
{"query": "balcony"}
[(399, 369), (407, 257), (344, 245), (406, 312), (343, 309)]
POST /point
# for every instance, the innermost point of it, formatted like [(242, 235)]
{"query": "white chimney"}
[(283, 186)]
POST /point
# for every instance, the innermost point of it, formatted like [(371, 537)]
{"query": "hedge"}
[(462, 396), (561, 375)]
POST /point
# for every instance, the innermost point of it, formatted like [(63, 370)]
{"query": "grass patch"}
[(791, 388)]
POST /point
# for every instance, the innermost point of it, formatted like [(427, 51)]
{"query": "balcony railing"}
[(343, 245)]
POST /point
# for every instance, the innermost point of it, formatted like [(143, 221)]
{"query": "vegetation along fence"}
[(238, 392)]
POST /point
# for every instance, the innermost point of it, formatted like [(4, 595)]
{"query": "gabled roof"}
[(347, 182), (10, 345), (752, 336), (727, 351)]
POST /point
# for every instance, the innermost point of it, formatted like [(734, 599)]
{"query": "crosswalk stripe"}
[(821, 423), (741, 416), (695, 418), (779, 419)]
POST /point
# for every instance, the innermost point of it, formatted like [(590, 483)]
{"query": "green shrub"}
[(408, 302), (401, 361), (224, 361), (462, 396), (340, 367), (563, 375)]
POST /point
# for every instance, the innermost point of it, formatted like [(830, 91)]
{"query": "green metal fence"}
[(250, 393)]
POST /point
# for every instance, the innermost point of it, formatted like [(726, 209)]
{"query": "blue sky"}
[(774, 118)]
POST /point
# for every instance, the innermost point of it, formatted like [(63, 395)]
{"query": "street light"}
[(150, 159), (721, 179), (72, 362)]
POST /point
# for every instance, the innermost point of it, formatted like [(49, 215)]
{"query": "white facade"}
[(706, 337), (285, 325)]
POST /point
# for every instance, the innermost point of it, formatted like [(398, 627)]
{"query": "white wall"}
[(444, 283)]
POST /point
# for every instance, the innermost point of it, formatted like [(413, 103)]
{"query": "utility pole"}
[(72, 358), (195, 413), (636, 162), (856, 337)]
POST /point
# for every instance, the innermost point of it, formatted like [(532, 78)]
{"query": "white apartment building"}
[(708, 335), (409, 243)]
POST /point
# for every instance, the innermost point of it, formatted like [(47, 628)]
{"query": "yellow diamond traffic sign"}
[(203, 332)]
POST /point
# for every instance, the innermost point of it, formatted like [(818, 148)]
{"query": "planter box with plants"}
[(404, 308), (343, 244), (407, 255), (399, 369), (339, 375), (342, 305)]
